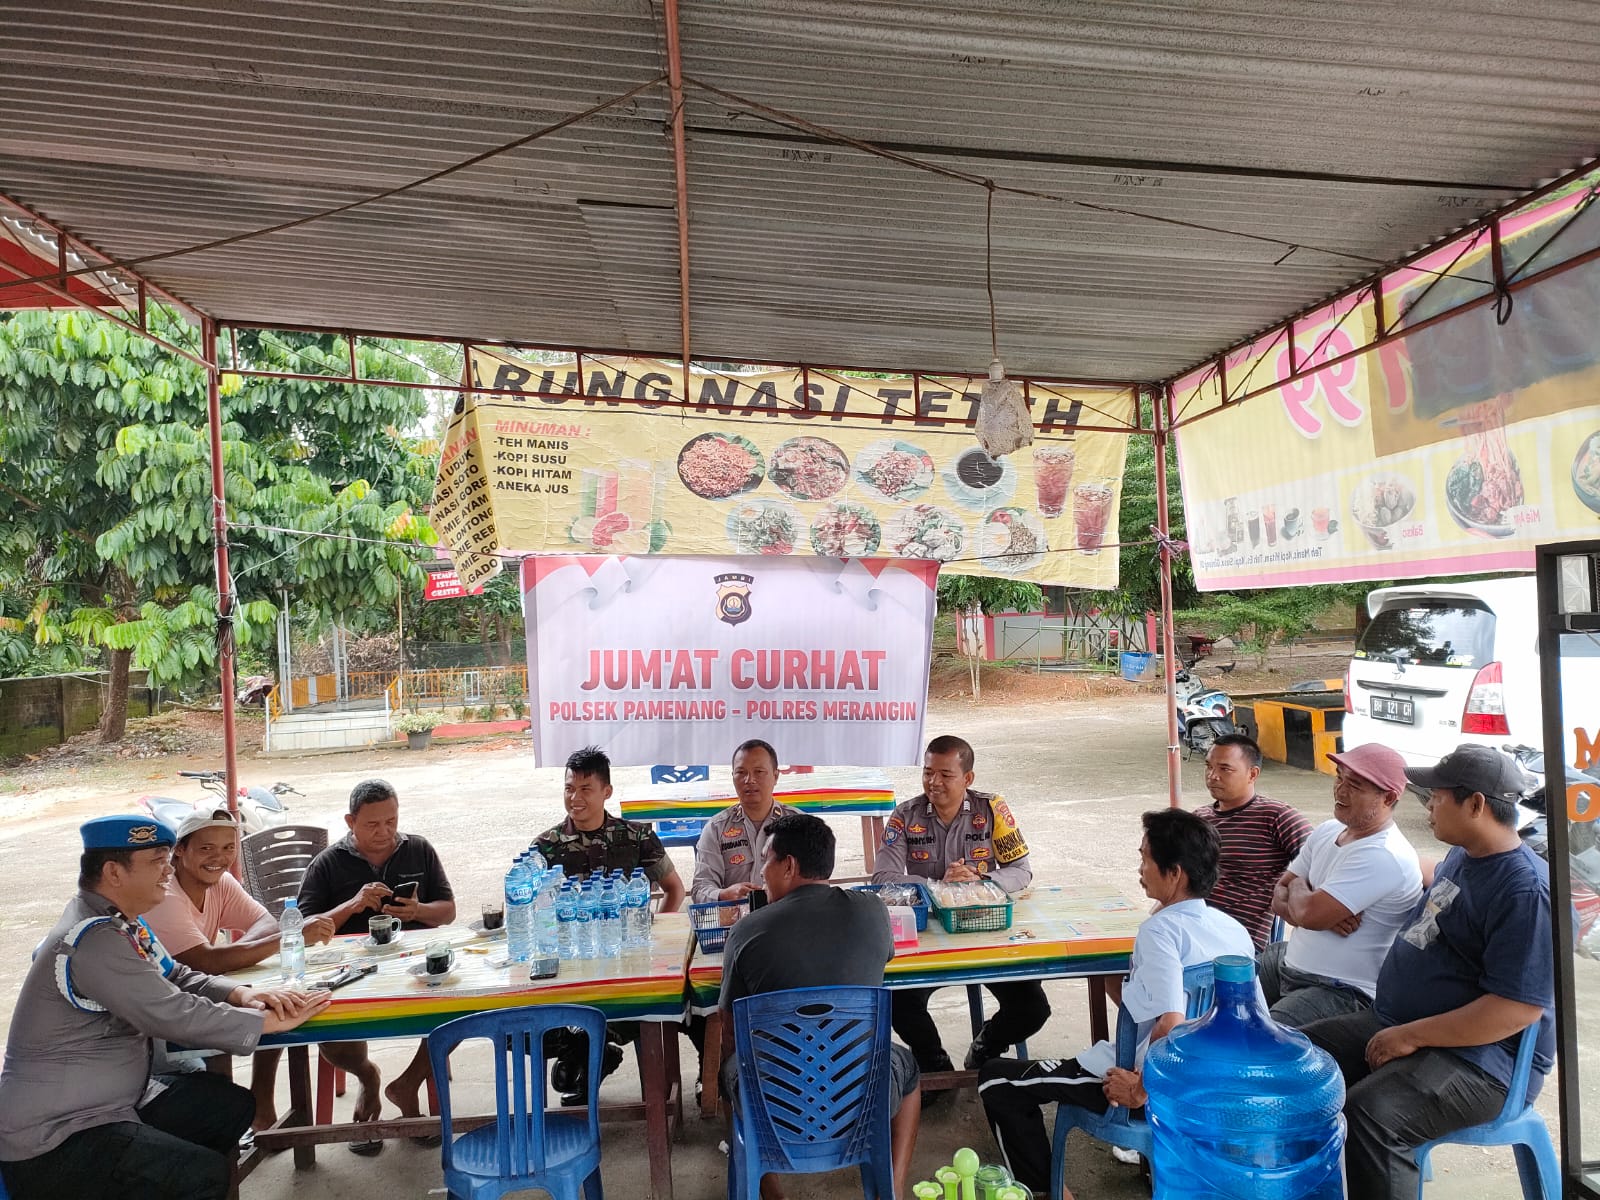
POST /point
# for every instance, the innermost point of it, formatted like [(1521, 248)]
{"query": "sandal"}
[(370, 1148)]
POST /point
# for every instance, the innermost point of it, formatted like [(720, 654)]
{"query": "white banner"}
[(678, 660)]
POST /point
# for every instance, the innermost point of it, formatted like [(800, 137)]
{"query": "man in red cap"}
[(1348, 891), (1471, 970)]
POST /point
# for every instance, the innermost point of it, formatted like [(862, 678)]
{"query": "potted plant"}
[(418, 728)]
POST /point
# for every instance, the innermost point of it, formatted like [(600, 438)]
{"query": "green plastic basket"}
[(976, 918)]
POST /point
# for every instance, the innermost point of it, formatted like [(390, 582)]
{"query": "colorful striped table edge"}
[(840, 801)]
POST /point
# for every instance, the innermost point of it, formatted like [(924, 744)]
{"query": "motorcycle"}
[(1204, 713), (259, 808), (255, 689), (1583, 852)]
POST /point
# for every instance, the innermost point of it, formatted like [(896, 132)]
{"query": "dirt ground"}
[(1079, 760)]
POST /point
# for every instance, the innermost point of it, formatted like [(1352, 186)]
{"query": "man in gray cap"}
[(80, 1113), (1469, 972)]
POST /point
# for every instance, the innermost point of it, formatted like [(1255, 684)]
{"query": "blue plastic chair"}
[(1118, 1126), (679, 831), (526, 1147), (814, 1084), (1517, 1126)]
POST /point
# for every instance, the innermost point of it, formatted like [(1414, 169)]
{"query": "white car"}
[(1446, 663)]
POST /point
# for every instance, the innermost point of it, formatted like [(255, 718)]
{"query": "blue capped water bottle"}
[(609, 933), (567, 921), (519, 912), (1242, 1108), (636, 913), (546, 938), (586, 922)]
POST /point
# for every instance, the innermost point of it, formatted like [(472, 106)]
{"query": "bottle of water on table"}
[(584, 932), (545, 938), (519, 912), (567, 922), (636, 927), (292, 943), (610, 931)]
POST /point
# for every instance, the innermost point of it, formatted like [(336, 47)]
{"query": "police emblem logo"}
[(733, 831), (919, 829), (733, 597), (142, 835), (735, 859)]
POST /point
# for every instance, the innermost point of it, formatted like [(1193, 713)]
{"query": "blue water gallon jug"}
[(1242, 1108)]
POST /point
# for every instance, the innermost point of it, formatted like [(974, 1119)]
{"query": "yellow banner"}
[(610, 458), (1455, 449)]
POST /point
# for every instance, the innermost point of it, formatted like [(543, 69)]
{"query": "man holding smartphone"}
[(375, 868)]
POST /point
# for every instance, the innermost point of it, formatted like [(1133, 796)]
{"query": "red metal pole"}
[(219, 537), (680, 170), (1162, 402)]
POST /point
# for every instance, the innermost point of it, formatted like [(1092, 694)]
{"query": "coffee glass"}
[(439, 958), (381, 929)]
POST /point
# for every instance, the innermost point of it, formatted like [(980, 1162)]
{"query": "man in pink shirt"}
[(205, 900)]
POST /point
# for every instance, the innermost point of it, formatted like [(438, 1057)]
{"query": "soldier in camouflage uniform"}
[(591, 839)]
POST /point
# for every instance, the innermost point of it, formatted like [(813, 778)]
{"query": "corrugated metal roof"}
[(1366, 129)]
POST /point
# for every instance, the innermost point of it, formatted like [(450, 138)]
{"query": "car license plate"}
[(1387, 708)]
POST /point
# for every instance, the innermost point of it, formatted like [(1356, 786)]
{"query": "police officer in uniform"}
[(591, 839), (727, 859), (953, 833), (80, 1113)]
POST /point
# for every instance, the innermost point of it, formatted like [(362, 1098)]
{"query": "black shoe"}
[(570, 1075), (979, 1053), (933, 1101)]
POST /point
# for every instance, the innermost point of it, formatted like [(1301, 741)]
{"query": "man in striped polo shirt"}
[(1260, 836)]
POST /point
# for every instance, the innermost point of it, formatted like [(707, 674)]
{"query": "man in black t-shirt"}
[(812, 935), (359, 876)]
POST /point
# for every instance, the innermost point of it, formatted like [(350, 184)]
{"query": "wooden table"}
[(1056, 933), (837, 791), (643, 985)]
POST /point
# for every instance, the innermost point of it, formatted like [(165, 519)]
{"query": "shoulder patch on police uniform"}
[(1008, 843), (892, 831)]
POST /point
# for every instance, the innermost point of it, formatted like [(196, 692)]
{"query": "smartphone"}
[(758, 899), (338, 979), (544, 968), (404, 891)]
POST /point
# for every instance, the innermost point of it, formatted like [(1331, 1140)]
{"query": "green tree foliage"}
[(105, 475), (957, 593), (1259, 620)]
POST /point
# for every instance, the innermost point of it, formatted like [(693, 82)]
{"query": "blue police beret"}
[(126, 833)]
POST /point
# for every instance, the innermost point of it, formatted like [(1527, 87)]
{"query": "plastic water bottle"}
[(536, 860), (609, 936), (519, 912), (545, 937), (567, 922), (292, 943), (584, 933), (1241, 1106), (636, 927)]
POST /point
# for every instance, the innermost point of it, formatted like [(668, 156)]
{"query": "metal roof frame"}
[(798, 103)]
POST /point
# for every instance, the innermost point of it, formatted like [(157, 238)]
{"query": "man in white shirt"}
[(1177, 869), (1348, 892)]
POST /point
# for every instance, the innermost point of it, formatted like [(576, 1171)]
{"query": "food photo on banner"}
[(662, 659), (1454, 449), (607, 459)]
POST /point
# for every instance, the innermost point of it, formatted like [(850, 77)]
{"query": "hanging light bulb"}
[(1003, 423)]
